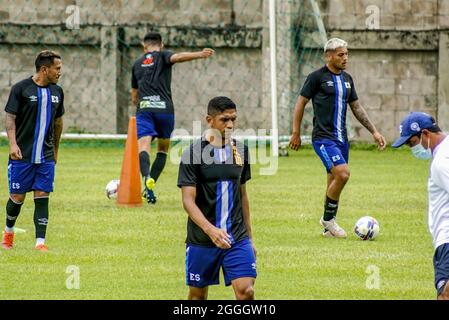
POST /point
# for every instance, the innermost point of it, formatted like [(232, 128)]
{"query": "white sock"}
[(40, 241), (9, 230)]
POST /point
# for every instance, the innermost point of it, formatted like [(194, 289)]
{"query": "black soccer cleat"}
[(149, 196)]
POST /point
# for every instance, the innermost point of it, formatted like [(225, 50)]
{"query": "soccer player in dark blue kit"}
[(212, 176), (34, 125), (151, 93), (331, 90)]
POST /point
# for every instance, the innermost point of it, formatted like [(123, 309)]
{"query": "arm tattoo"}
[(362, 116), (10, 123)]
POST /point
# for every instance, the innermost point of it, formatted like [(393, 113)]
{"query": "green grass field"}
[(139, 253)]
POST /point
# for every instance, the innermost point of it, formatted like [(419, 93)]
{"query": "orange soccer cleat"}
[(7, 240), (41, 247)]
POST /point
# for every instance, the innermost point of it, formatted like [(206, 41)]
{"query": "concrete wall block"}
[(4, 79), (403, 7), (424, 86), (19, 76), (339, 7), (443, 7), (248, 12), (362, 5), (204, 5), (380, 86), (424, 7), (409, 22), (443, 21), (416, 102), (4, 16), (371, 101), (167, 5), (430, 22), (387, 21), (395, 102)]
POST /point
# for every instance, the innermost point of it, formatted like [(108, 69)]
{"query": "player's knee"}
[(197, 295), (41, 194), (17, 198), (343, 176), (445, 294), (246, 293)]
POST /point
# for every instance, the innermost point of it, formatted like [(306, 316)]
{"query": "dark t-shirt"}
[(36, 109), (217, 174), (151, 76), (330, 94)]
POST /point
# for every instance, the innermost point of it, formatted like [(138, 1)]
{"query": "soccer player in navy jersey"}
[(34, 125), (212, 176), (331, 90), (151, 93)]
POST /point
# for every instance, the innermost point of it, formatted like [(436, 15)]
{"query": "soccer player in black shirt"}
[(331, 90), (151, 93), (34, 125), (212, 175)]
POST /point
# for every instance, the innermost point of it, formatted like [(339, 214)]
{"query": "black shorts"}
[(441, 266)]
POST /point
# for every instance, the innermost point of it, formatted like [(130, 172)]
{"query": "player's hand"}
[(380, 140), (220, 238), (14, 152), (295, 141), (207, 52)]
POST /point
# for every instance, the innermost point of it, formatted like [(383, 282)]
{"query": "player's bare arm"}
[(189, 56), (58, 132), (295, 140), (246, 215), (134, 97), (14, 150), (361, 115), (218, 236)]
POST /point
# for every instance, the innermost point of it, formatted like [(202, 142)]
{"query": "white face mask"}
[(420, 152)]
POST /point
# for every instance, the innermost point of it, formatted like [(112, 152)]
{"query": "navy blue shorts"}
[(24, 177), (441, 267), (203, 263), (332, 153), (154, 124)]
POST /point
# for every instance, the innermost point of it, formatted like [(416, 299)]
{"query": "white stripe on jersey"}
[(340, 105), (224, 204), (42, 125)]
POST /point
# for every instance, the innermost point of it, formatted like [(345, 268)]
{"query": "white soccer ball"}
[(367, 228), (112, 188)]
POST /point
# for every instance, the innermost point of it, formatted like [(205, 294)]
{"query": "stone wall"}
[(99, 52), (398, 66)]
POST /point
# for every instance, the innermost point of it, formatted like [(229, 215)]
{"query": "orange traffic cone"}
[(129, 192)]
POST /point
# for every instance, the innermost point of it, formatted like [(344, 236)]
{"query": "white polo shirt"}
[(438, 188)]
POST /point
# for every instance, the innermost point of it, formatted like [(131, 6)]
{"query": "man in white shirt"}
[(421, 133)]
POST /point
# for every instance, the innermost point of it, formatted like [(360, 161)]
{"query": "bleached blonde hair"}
[(334, 43)]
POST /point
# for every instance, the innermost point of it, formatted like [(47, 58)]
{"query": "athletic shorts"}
[(441, 267), (24, 177), (332, 153), (203, 263), (155, 124)]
